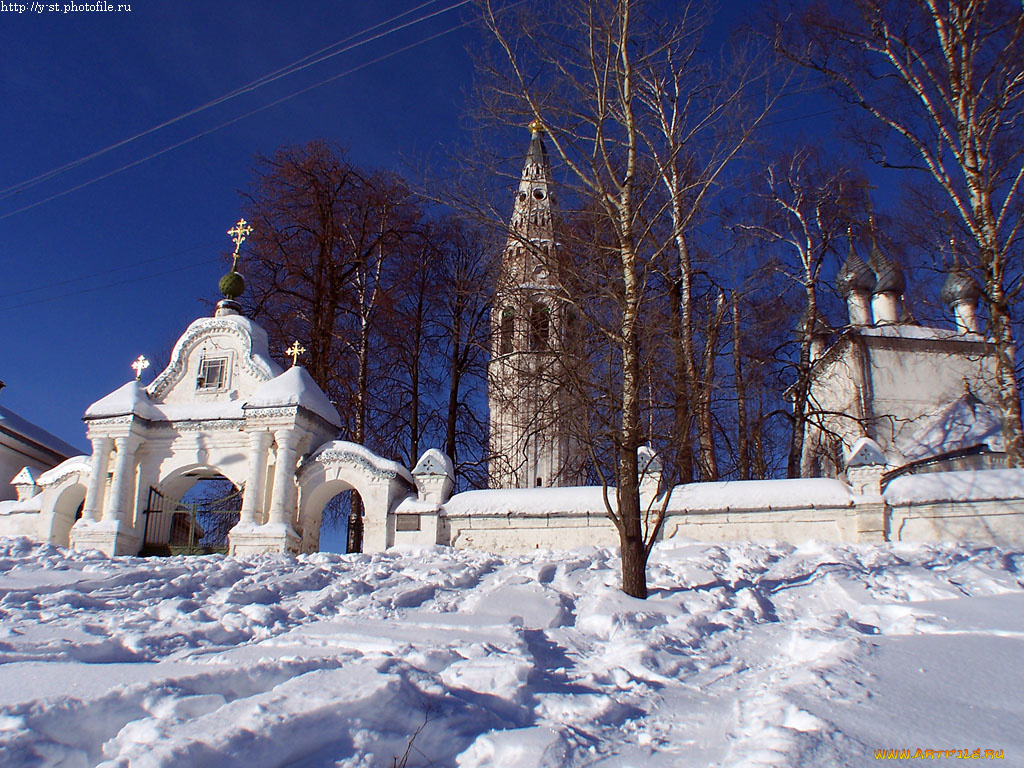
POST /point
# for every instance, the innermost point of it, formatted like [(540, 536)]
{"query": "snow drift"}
[(745, 655)]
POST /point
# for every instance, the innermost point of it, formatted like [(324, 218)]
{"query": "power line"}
[(265, 107), (110, 285), (101, 273), (297, 66)]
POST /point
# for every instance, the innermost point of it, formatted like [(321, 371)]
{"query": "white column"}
[(284, 475), (252, 501), (97, 478), (966, 314), (859, 307), (885, 307), (378, 526), (124, 475)]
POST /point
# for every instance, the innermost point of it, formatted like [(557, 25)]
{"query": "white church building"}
[(902, 444)]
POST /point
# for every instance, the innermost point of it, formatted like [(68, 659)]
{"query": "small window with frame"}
[(213, 374)]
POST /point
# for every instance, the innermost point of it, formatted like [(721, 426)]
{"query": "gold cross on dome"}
[(294, 351), (239, 232), (140, 365)]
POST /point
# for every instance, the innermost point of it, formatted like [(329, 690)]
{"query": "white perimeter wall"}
[(979, 505)]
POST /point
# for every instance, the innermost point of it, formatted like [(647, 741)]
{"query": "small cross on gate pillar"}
[(139, 366), (294, 351)]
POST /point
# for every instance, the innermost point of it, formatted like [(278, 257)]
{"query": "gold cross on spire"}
[(294, 351), (239, 233), (140, 365)]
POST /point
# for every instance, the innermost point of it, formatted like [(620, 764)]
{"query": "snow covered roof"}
[(695, 497), (865, 452), (17, 427), (27, 476), (963, 423), (434, 462), (343, 450), (67, 467), (133, 397), (128, 399), (962, 485), (295, 387)]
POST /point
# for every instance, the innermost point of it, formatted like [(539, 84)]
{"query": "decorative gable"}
[(223, 358)]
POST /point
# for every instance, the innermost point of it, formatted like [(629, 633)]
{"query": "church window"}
[(539, 194), (540, 326), (522, 197), (213, 373), (540, 482), (507, 325)]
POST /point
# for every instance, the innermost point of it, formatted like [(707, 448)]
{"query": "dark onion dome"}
[(890, 276), (854, 276), (818, 327), (232, 285), (959, 288)]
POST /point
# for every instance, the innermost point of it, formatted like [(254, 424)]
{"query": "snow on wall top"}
[(761, 494), (962, 485), (695, 497), (295, 387), (15, 425)]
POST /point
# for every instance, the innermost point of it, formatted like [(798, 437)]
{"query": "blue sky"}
[(75, 83), (93, 278)]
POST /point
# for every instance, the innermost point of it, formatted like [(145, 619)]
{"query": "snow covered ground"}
[(756, 654)]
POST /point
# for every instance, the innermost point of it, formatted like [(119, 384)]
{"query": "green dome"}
[(232, 285)]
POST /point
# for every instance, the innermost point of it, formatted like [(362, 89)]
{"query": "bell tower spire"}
[(529, 437)]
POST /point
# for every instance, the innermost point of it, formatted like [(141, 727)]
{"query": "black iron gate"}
[(176, 527)]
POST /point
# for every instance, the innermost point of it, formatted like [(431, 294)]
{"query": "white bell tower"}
[(530, 438)]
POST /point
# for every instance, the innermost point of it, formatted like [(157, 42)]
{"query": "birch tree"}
[(942, 86), (586, 51), (803, 207)]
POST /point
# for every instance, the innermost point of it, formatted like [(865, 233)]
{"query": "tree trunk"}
[(801, 390), (682, 415), (453, 388), (705, 419), (631, 536), (634, 562), (1006, 378), (354, 541), (742, 442)]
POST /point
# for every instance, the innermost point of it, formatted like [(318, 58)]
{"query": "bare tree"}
[(586, 51), (804, 206), (325, 236), (945, 82), (465, 270), (696, 120)]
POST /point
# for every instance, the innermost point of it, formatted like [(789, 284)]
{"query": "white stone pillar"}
[(378, 525), (255, 486), (101, 447), (124, 475), (885, 307), (859, 308), (966, 314), (284, 476)]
